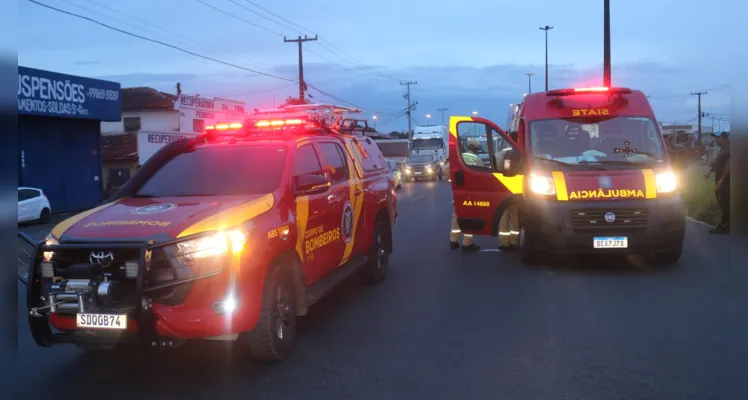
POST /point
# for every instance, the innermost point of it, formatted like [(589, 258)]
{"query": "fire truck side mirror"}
[(307, 184)]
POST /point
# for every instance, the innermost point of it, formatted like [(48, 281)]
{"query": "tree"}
[(294, 101)]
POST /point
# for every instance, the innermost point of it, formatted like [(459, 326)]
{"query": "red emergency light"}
[(224, 127), (278, 123), (591, 90)]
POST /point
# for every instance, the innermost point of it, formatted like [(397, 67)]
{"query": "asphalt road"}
[(449, 325)]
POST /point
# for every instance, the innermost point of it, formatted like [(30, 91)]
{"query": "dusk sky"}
[(466, 55)]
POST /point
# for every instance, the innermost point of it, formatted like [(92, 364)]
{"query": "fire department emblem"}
[(154, 209), (347, 223)]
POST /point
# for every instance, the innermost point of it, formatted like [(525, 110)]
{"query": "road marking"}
[(420, 196), (486, 250), (699, 222)]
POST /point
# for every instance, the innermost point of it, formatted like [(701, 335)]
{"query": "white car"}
[(33, 205)]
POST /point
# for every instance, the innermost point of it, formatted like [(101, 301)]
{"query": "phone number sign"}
[(50, 94)]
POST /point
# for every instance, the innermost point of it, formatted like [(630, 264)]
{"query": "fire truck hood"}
[(163, 218), (606, 185)]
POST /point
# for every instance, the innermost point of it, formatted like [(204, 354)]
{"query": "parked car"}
[(33, 205), (397, 175)]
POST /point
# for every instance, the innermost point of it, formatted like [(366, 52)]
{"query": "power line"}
[(239, 18), (304, 31), (160, 42), (277, 33), (322, 39), (182, 49)]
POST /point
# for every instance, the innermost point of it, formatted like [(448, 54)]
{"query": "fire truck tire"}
[(375, 269), (273, 337)]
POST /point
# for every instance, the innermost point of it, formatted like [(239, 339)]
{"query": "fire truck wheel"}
[(273, 337), (376, 267)]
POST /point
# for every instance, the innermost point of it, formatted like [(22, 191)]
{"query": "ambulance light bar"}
[(596, 89)]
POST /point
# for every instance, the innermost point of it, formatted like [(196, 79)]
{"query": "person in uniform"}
[(721, 169), (471, 158)]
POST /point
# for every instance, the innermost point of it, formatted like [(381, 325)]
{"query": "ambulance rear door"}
[(480, 188)]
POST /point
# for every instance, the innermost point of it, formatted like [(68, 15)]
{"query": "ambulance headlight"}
[(213, 245), (666, 182), (542, 184)]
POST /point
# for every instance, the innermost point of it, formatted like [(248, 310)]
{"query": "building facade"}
[(150, 120), (59, 135)]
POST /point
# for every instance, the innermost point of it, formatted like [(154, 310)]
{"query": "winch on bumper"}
[(81, 293), (652, 226)]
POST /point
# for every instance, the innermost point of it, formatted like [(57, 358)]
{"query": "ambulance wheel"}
[(377, 265), (273, 337), (528, 254)]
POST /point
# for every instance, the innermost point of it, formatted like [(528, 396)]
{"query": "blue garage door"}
[(61, 157)]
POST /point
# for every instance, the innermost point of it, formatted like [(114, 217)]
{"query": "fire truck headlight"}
[(666, 182), (542, 184), (47, 255), (214, 245)]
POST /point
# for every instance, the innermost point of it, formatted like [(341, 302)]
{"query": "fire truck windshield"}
[(428, 144), (218, 171), (612, 140)]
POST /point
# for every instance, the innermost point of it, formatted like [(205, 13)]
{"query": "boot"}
[(471, 247), (720, 229), (454, 245)]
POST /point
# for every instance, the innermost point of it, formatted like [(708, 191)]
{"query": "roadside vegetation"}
[(698, 194)]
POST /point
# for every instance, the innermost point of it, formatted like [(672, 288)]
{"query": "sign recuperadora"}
[(51, 94)]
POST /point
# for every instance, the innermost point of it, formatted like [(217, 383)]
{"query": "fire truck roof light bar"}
[(590, 90)]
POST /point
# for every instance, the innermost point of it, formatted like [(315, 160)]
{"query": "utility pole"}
[(441, 110), (606, 44), (410, 107), (546, 29), (300, 40), (529, 81), (698, 142)]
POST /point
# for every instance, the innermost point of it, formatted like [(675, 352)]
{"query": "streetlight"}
[(375, 121), (546, 29), (475, 130), (428, 119), (529, 81), (441, 110), (475, 113)]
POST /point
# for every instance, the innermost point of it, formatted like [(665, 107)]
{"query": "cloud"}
[(90, 62), (462, 89)]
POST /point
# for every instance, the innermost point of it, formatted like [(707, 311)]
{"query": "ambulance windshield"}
[(218, 171), (609, 140)]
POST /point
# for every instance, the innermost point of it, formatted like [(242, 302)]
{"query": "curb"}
[(699, 222)]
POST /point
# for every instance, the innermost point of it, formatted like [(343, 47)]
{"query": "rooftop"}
[(121, 147), (145, 98)]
